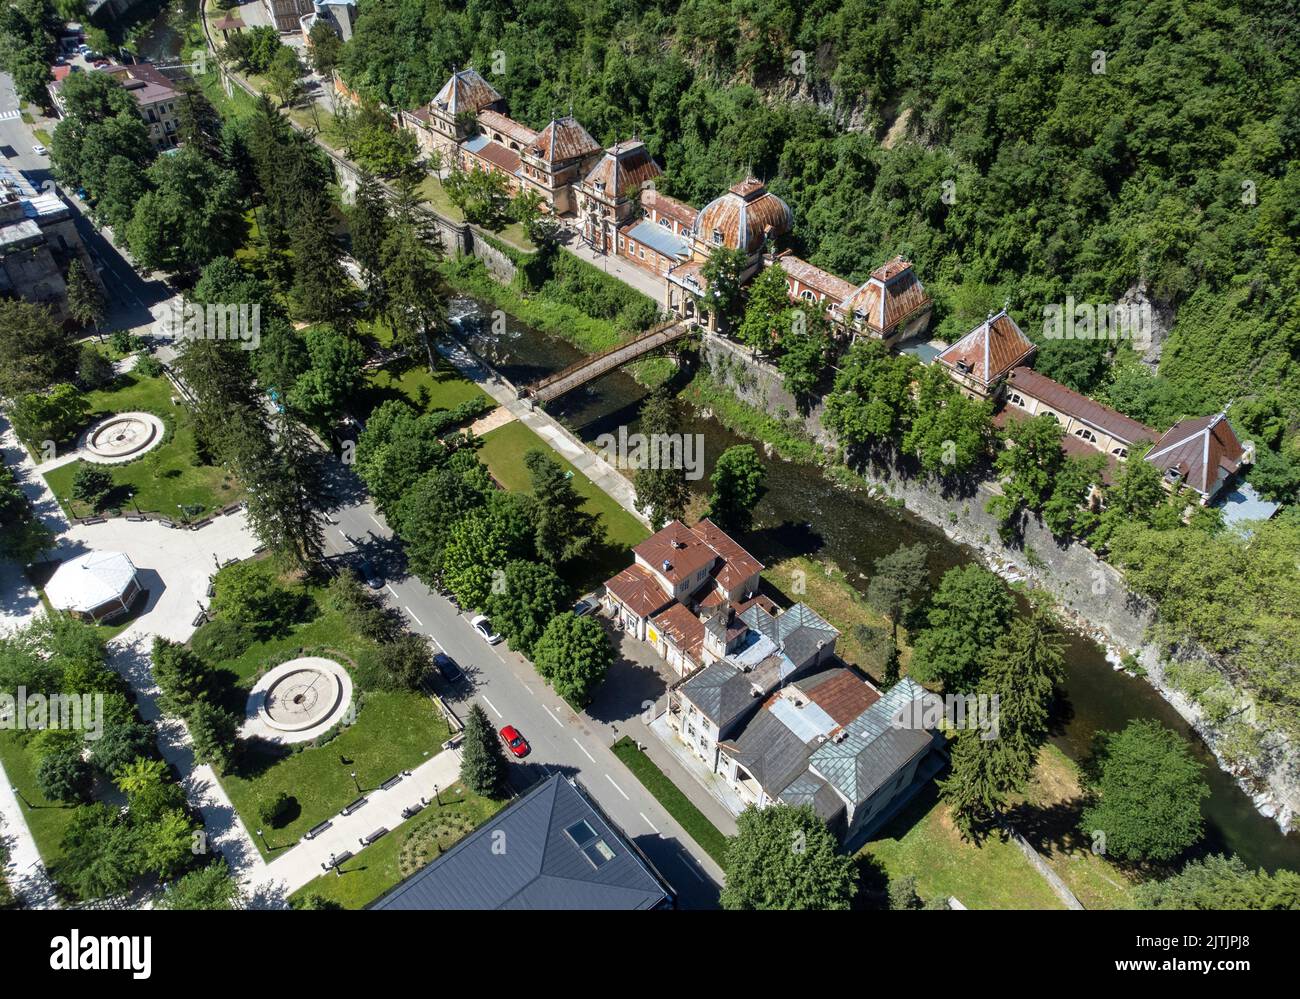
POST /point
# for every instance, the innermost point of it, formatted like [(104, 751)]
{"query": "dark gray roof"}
[(720, 691), (796, 631), (524, 857), (772, 753), (809, 789)]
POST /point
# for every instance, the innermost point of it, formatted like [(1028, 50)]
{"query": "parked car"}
[(39, 150), (515, 742), (484, 627), (372, 578), (447, 666), (584, 607)]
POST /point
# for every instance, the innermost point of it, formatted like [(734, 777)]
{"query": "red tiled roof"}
[(638, 591), (684, 628), (502, 157), (990, 350), (737, 564), (1071, 403), (844, 696), (682, 549), (1202, 451)]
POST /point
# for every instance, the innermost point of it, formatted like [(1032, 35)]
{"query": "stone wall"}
[(1090, 593)]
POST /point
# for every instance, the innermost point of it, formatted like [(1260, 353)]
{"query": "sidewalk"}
[(25, 870), (383, 809), (564, 443)]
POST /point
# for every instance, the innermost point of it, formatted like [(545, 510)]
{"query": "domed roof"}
[(743, 217)]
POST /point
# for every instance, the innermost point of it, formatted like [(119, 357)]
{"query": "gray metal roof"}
[(771, 752), (525, 857), (660, 239), (796, 631), (876, 746)]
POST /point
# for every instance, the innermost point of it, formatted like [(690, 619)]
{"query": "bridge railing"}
[(593, 360)]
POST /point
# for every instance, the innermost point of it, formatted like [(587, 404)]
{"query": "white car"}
[(39, 150), (484, 627)]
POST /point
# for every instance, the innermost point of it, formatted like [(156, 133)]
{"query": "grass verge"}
[(404, 851), (673, 799)]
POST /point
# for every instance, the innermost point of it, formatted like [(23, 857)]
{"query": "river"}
[(805, 513)]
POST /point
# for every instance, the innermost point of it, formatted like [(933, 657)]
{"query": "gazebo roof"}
[(228, 21), (90, 580)]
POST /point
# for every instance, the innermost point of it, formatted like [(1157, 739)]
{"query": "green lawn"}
[(49, 819), (922, 841), (163, 478), (503, 451), (405, 850), (393, 731), (445, 388), (432, 191), (674, 801)]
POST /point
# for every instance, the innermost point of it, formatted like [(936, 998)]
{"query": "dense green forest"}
[(1169, 163)]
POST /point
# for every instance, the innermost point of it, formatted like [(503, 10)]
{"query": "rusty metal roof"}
[(626, 167), (466, 91), (744, 217), (666, 207), (890, 295), (1203, 451), (563, 140), (495, 121), (1073, 404), (833, 287), (990, 350), (638, 590)]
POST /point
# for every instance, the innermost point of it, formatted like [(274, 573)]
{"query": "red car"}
[(515, 742)]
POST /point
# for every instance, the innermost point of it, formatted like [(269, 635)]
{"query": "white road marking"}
[(553, 718), (492, 706), (389, 588), (616, 787), (375, 522), (412, 613), (689, 863), (8, 115), (587, 754), (650, 824)]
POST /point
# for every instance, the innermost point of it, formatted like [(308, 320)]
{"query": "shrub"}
[(276, 811), (221, 640)]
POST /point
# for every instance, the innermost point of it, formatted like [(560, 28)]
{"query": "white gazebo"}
[(94, 585)]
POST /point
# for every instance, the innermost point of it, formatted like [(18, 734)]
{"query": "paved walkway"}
[(599, 471), (24, 870), (643, 281), (383, 809)]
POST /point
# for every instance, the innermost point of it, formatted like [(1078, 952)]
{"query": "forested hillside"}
[(1174, 169)]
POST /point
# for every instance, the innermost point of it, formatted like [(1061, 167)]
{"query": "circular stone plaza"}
[(120, 438), (298, 700)]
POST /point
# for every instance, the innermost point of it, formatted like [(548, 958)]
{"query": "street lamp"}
[(263, 838), (356, 782), (20, 795), (436, 796)]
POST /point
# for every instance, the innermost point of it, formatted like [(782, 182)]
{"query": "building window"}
[(1016, 399), (806, 295), (717, 237), (620, 242), (1121, 452), (1086, 434), (641, 252), (665, 223)]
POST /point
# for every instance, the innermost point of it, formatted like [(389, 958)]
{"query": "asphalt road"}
[(512, 693)]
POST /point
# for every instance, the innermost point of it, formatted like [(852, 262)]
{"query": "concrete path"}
[(555, 434), (650, 285), (24, 870), (383, 809)]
